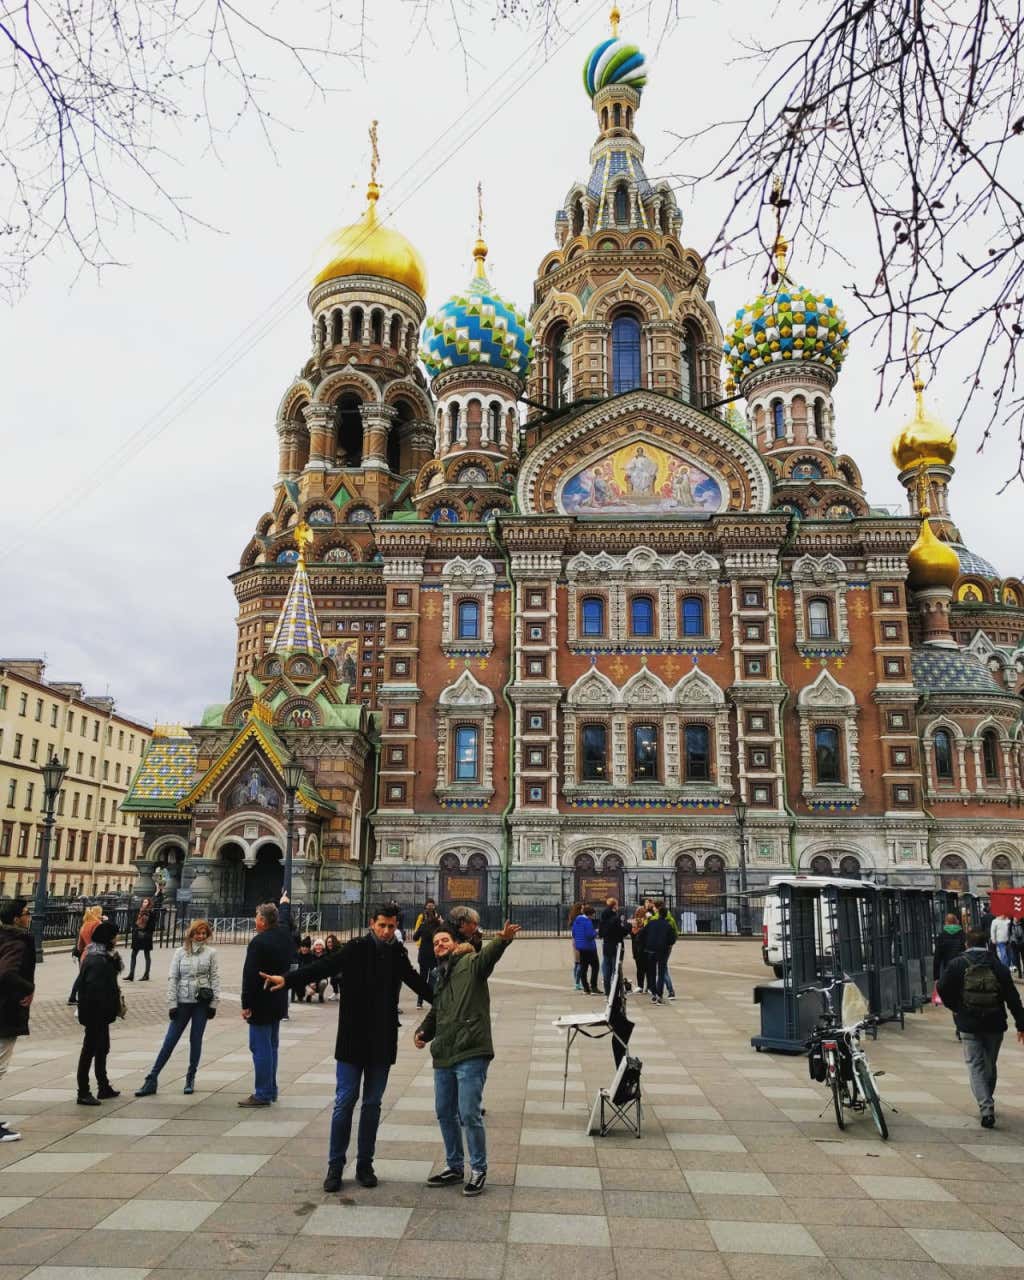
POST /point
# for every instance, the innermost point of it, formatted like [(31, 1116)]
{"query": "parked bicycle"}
[(836, 1058)]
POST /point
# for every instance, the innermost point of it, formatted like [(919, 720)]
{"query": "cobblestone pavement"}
[(738, 1173)]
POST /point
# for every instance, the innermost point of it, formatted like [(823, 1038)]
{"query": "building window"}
[(645, 753), (641, 616), (753, 598), (22, 704), (819, 620), (819, 419), (17, 746), (467, 753), (39, 709), (625, 354), (688, 367), (469, 620), (698, 754), (593, 616), (622, 206), (594, 756), (560, 357), (3, 697), (778, 420), (693, 616), (990, 754), (30, 788), (826, 754)]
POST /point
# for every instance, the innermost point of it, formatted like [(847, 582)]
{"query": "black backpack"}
[(981, 989)]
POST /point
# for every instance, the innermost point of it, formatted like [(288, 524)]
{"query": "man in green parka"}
[(458, 1028)]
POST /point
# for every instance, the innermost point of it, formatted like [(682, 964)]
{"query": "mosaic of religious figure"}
[(642, 478), (253, 789)]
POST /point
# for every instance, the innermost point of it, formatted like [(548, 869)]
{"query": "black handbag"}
[(204, 995)]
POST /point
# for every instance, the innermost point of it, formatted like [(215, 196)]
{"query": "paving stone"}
[(556, 1228), (357, 1220), (980, 1249), (764, 1237)]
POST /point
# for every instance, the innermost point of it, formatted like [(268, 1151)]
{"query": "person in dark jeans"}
[(427, 925), (613, 931), (658, 937), (142, 939), (978, 990), (372, 969), (584, 937), (270, 951), (99, 1004)]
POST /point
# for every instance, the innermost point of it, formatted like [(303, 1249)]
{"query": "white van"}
[(771, 928)]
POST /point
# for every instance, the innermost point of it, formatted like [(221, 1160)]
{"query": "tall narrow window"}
[(943, 745), (826, 754), (356, 328), (594, 753), (453, 423), (469, 620), (778, 420), (819, 419), (819, 620), (645, 753), (990, 754), (621, 207), (641, 616), (494, 415), (693, 616), (688, 367), (698, 753), (625, 354), (467, 753), (593, 616)]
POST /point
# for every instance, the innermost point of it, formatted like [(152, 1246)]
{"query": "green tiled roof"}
[(166, 773)]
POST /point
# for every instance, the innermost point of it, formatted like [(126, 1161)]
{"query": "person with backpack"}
[(978, 989), (584, 937)]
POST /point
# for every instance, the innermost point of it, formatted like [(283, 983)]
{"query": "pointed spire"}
[(373, 188), (781, 248), (480, 248), (297, 628), (614, 19)]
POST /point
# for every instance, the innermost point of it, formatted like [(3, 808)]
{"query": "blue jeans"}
[(374, 1081), (1003, 951), (197, 1015), (657, 965), (263, 1041), (608, 968), (458, 1094), (668, 982)]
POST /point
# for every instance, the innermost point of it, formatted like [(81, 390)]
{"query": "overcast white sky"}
[(124, 585)]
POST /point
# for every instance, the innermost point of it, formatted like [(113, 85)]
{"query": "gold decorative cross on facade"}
[(303, 539), (429, 609), (671, 668), (618, 668), (859, 607)]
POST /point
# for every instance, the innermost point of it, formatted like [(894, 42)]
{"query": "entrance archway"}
[(822, 866), (1002, 872), (265, 879), (953, 873)]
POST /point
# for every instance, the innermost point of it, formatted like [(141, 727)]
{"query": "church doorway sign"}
[(691, 883), (593, 885), (953, 873), (463, 884)]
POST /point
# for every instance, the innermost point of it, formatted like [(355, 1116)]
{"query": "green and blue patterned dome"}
[(477, 326), (791, 323), (614, 61)]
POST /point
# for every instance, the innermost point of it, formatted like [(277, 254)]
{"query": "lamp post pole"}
[(292, 771), (53, 775), (741, 822)]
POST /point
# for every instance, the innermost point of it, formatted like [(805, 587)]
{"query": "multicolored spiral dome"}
[(477, 327), (614, 61), (794, 323)]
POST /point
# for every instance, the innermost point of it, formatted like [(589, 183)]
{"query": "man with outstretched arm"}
[(372, 969), (458, 1029)]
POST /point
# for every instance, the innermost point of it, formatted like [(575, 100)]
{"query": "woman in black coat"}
[(142, 938), (99, 1003)]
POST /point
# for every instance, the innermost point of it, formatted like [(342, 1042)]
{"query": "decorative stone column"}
[(145, 885), (421, 443), (322, 436), (377, 422)]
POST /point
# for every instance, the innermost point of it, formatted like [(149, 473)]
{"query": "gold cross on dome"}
[(303, 539), (374, 152)]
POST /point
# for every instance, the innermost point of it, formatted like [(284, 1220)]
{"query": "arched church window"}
[(645, 753), (395, 338), (688, 367), (826, 754), (604, 117), (819, 620), (942, 744), (394, 449), (617, 115), (349, 425), (621, 206), (356, 330), (778, 420), (453, 423), (594, 753), (990, 754), (821, 866), (577, 217), (625, 354), (629, 117), (641, 616), (698, 753), (819, 418), (593, 616), (558, 365), (494, 415), (377, 328), (693, 616), (469, 620), (467, 753)]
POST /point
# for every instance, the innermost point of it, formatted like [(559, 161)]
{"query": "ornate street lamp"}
[(292, 771), (741, 821), (53, 776)]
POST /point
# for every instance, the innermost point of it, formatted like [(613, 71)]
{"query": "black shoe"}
[(144, 978), (107, 1091), (130, 978), (253, 1101), (333, 1180), (988, 1122), (87, 1100), (366, 1176), (190, 1085), (446, 1178), (147, 1090), (72, 1002), (475, 1185)]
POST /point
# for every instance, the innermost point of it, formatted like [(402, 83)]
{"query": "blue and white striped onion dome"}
[(793, 323), (614, 61), (477, 326)]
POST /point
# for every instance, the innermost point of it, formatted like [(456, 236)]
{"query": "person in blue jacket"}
[(584, 937)]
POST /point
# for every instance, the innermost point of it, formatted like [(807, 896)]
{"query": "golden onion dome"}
[(368, 248), (931, 562), (924, 441)]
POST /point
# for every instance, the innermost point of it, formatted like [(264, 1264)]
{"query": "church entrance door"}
[(264, 880)]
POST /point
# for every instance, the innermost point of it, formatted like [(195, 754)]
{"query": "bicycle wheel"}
[(870, 1092), (838, 1091)]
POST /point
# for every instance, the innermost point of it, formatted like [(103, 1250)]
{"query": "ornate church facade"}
[(563, 620)]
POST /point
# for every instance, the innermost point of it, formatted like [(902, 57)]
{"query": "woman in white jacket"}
[(193, 992)]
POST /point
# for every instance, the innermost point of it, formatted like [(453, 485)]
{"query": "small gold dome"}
[(931, 563), (924, 441), (367, 248)]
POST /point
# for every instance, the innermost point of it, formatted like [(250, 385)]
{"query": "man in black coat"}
[(372, 969), (270, 951), (17, 984), (613, 931), (978, 990)]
